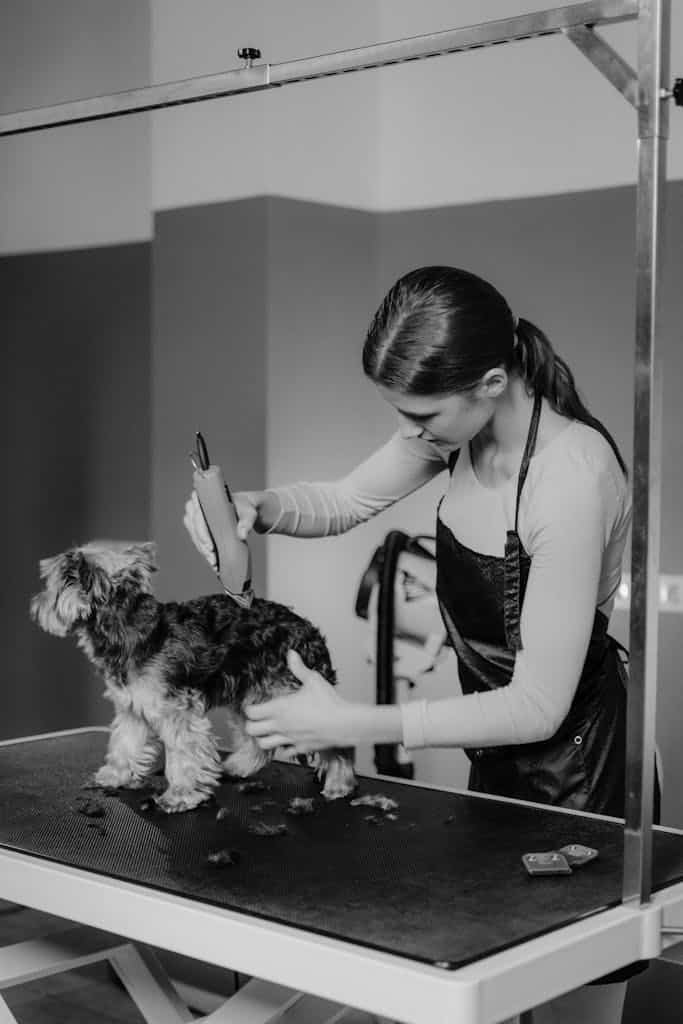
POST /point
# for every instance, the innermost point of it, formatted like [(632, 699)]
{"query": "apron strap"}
[(512, 571), (528, 451)]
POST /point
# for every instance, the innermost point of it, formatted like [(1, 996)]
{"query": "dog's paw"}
[(340, 780), (173, 801), (113, 778), (335, 789), (245, 761)]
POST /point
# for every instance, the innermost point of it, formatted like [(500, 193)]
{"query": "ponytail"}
[(544, 371), (440, 329)]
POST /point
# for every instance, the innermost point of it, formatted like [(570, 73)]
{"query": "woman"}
[(530, 537)]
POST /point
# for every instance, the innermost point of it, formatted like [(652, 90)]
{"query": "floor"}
[(76, 997), (91, 993)]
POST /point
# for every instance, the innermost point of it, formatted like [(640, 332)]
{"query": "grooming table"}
[(430, 916)]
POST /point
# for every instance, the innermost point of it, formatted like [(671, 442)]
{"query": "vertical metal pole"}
[(653, 73)]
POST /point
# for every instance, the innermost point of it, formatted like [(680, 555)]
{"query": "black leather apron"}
[(582, 765)]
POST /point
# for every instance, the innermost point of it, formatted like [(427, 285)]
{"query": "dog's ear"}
[(92, 579), (46, 565), (145, 553), (85, 571)]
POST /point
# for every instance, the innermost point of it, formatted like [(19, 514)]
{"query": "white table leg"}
[(149, 986)]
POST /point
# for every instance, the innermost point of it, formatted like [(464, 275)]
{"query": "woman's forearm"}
[(507, 715), (306, 509), (269, 511), (371, 723), (321, 509), (475, 720)]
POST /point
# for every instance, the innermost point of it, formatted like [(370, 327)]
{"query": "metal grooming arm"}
[(257, 77), (648, 91)]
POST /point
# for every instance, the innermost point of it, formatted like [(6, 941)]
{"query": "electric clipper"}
[(233, 558)]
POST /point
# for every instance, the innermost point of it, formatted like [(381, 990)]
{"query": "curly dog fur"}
[(165, 665)]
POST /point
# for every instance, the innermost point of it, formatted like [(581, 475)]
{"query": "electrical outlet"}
[(670, 593)]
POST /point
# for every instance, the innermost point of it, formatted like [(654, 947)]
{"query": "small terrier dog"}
[(166, 664)]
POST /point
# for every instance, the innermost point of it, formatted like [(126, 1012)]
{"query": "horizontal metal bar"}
[(268, 76), (136, 101), (611, 64), (491, 33)]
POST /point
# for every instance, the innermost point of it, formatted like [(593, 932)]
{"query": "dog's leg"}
[(335, 766), (193, 766), (132, 754), (246, 757)]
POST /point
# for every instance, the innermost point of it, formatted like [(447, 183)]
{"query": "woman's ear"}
[(493, 383)]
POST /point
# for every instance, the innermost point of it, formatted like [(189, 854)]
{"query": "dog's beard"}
[(58, 612)]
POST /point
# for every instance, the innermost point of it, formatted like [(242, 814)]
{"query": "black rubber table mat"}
[(442, 883)]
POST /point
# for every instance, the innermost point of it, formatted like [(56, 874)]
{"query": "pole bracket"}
[(606, 59)]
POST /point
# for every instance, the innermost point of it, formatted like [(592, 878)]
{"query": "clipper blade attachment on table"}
[(549, 863), (559, 862)]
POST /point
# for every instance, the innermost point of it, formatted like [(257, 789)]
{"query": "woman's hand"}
[(247, 505), (312, 718)]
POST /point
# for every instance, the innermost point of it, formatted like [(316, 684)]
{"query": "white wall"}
[(80, 185), (523, 119), (528, 118), (312, 141)]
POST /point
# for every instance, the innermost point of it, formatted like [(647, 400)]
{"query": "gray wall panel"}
[(208, 364), (75, 438)]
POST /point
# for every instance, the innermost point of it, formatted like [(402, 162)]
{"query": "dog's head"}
[(83, 579)]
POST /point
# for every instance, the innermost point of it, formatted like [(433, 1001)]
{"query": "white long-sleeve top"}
[(574, 519)]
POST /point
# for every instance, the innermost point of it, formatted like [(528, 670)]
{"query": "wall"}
[(79, 185), (75, 224), (313, 142), (523, 119), (208, 370), (74, 424), (529, 118)]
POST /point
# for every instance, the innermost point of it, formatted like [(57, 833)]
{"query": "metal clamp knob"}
[(248, 54), (675, 94)]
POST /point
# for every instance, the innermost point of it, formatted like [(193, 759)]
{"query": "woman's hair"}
[(440, 329)]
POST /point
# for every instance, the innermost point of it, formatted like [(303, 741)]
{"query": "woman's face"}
[(448, 421)]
